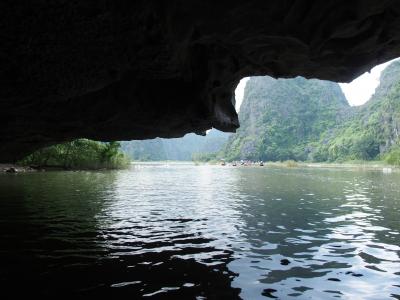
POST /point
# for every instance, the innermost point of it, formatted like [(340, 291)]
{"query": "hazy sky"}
[(361, 89), (239, 92), (357, 92)]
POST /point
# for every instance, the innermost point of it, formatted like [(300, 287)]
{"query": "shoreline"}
[(379, 166), (13, 168), (351, 165), (367, 166)]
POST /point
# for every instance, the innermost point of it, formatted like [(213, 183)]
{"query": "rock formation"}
[(284, 119), (120, 70)]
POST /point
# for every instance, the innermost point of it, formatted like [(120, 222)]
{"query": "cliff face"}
[(374, 129), (311, 120), (281, 118), (121, 70)]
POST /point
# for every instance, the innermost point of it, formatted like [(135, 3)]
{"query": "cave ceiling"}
[(122, 70)]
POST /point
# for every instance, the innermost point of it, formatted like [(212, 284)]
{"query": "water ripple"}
[(163, 231)]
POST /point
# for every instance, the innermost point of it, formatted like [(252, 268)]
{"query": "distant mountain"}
[(281, 118), (175, 149)]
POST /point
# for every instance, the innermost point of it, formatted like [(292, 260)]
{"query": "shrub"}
[(393, 157), (291, 163)]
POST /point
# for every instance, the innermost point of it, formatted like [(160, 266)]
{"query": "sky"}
[(363, 87), (357, 92), (239, 92)]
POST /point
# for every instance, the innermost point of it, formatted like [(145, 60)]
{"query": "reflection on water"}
[(201, 232)]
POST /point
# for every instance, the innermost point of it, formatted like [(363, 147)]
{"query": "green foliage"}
[(372, 129), (310, 120), (365, 147), (291, 164), (79, 154), (204, 157), (393, 157), (280, 119)]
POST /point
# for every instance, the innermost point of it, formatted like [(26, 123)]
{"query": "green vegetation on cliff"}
[(281, 118), (79, 154), (310, 120), (374, 130)]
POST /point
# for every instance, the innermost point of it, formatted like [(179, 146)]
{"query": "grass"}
[(291, 164)]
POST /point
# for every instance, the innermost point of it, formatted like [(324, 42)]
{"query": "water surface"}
[(202, 232)]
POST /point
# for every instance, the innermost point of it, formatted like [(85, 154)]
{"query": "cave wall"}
[(121, 70)]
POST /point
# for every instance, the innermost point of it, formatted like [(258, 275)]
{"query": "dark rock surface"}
[(334, 279), (285, 262), (120, 70), (10, 168), (268, 293)]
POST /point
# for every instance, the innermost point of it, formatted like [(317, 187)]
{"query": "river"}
[(180, 231)]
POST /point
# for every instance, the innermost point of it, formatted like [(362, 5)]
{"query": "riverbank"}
[(80, 154), (12, 168), (356, 165), (367, 165), (16, 168)]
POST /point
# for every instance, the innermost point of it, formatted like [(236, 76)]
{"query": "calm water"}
[(202, 232)]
